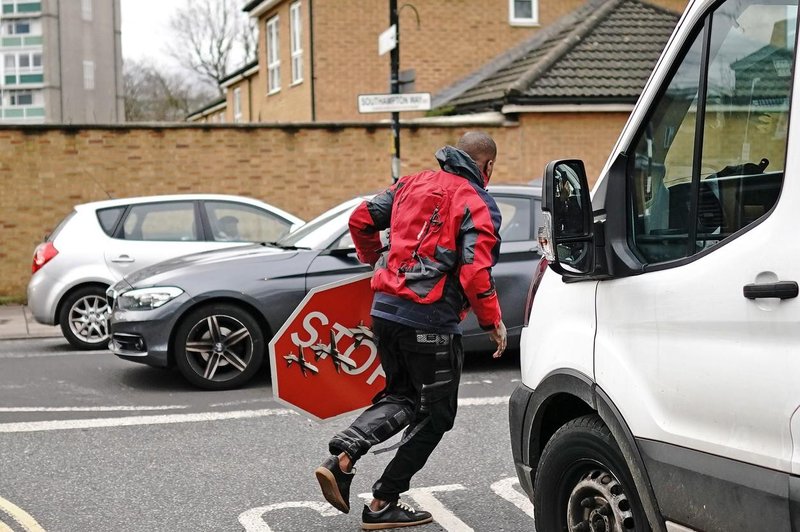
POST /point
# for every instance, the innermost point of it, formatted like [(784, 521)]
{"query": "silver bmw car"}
[(212, 314), (99, 243)]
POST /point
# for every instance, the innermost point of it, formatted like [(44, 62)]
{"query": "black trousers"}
[(422, 376)]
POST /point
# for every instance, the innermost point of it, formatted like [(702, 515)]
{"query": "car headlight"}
[(147, 298)]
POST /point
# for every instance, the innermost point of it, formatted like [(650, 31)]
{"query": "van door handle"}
[(779, 290), (123, 258)]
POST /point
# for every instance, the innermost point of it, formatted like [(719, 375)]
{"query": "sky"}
[(145, 29)]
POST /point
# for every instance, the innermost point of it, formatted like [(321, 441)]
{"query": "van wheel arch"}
[(566, 395)]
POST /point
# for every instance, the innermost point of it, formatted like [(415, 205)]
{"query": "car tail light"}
[(537, 279), (42, 255)]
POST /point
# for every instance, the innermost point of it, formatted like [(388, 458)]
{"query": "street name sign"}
[(394, 103), (387, 41)]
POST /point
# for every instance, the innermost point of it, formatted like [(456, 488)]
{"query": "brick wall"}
[(44, 171)]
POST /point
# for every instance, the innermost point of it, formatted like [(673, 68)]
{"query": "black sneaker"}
[(394, 515), (335, 483)]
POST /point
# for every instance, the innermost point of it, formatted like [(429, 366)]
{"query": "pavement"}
[(16, 322)]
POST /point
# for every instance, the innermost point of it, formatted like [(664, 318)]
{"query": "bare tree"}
[(154, 96), (209, 35)]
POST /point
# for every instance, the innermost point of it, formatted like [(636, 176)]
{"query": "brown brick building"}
[(316, 56)]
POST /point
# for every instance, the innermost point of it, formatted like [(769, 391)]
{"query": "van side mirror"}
[(566, 238)]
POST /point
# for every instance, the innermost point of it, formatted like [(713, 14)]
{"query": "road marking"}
[(19, 515), (505, 489), (48, 355), (39, 426), (4, 410), (483, 401), (67, 424), (253, 520)]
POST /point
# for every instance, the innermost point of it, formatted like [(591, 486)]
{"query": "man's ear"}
[(488, 168)]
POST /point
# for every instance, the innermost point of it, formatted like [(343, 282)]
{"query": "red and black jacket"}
[(444, 241)]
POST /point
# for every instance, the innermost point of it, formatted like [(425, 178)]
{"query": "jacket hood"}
[(456, 161)]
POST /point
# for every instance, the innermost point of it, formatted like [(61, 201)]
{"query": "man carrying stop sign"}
[(444, 241)]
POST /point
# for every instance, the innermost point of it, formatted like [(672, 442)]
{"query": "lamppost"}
[(395, 89)]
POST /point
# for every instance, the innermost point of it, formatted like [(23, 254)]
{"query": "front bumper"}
[(519, 427), (144, 335)]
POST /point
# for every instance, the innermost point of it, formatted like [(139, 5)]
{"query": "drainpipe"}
[(311, 53)]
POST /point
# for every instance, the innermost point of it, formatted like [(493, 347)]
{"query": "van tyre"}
[(219, 347), (583, 484), (84, 318)]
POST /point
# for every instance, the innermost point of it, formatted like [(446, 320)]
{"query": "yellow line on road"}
[(19, 515)]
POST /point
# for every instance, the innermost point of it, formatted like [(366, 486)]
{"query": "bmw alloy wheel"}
[(219, 347)]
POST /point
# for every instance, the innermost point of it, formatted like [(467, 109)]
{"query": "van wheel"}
[(219, 347), (583, 484), (84, 318)]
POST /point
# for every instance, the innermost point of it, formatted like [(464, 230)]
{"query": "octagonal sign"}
[(324, 359)]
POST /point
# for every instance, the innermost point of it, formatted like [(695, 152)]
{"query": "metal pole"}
[(395, 89)]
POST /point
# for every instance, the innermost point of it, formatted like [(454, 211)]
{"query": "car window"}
[(516, 212), (235, 222), (169, 221), (692, 189), (321, 229), (109, 217)]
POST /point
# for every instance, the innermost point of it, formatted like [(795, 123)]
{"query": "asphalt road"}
[(89, 442)]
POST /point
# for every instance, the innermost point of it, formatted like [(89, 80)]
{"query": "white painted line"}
[(505, 489), (39, 426), (19, 515), (50, 355), (166, 419), (253, 520), (4, 410), (483, 401), (4, 527)]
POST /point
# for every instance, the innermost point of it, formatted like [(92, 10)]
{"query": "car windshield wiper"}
[(282, 246)]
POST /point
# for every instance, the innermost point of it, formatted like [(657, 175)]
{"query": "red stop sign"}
[(324, 359)]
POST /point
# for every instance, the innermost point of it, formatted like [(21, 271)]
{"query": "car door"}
[(153, 232), (519, 253), (704, 374)]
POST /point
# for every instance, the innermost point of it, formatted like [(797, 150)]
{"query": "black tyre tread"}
[(63, 315), (588, 423)]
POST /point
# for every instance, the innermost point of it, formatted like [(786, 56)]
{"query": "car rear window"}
[(108, 218), (52, 236)]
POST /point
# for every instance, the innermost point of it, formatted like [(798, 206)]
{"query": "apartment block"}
[(61, 62)]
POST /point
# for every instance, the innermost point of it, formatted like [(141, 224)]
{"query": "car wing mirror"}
[(342, 252), (566, 238)]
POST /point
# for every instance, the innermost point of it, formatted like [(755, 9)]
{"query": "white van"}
[(661, 361)]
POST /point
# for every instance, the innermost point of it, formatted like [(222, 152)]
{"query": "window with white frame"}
[(523, 12), (237, 105), (20, 98), (86, 10), (273, 56), (23, 62), (88, 75), (17, 27), (296, 26)]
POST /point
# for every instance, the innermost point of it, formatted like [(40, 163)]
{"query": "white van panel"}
[(561, 331), (688, 360)]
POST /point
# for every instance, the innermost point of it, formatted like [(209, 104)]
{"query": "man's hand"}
[(499, 337)]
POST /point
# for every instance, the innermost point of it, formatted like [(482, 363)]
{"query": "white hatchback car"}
[(99, 243)]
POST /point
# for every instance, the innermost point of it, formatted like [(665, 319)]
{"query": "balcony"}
[(22, 114), (21, 40), (24, 76), (21, 7)]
